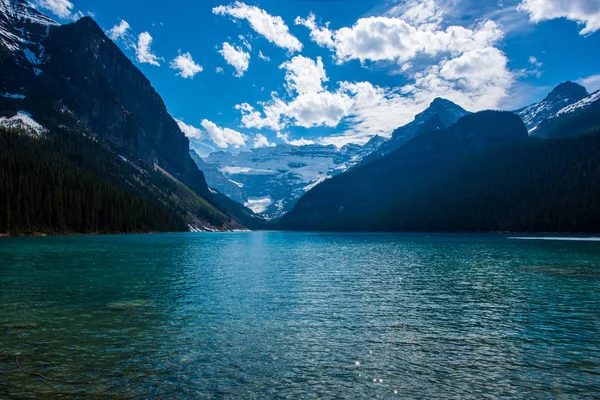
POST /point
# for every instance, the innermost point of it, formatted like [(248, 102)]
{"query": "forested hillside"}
[(459, 179), (63, 182)]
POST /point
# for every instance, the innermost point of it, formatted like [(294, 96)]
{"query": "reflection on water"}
[(286, 315)]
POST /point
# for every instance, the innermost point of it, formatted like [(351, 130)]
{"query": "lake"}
[(300, 315)]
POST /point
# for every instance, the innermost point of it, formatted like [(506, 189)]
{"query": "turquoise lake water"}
[(298, 315)]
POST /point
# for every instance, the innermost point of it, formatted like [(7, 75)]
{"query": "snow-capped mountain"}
[(22, 31), (573, 120), (445, 111), (562, 96), (271, 179)]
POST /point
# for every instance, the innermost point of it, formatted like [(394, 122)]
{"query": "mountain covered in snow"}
[(562, 96), (270, 180), (443, 111)]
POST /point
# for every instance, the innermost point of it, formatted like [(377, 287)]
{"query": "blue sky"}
[(238, 75)]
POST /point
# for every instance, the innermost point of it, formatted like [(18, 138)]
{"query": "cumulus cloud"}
[(236, 57), (60, 8), (261, 140), (189, 130), (119, 31), (584, 12), (459, 63), (186, 66), (143, 52), (304, 75), (394, 39), (273, 28), (223, 137), (311, 105), (476, 80)]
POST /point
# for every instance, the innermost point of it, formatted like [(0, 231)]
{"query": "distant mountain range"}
[(88, 146), (72, 78), (485, 172), (270, 180)]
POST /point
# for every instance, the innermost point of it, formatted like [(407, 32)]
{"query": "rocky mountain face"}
[(563, 95), (445, 111), (269, 180), (74, 77)]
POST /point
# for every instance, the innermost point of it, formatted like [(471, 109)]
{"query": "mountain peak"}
[(447, 111), (440, 101), (563, 95), (567, 90)]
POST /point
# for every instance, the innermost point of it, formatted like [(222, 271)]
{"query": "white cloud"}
[(219, 70), (321, 35), (189, 130), (236, 57), (143, 52), (263, 57), (458, 63), (584, 12), (304, 75), (394, 39), (186, 66), (261, 140), (118, 31), (535, 62), (60, 8), (425, 14), (273, 28), (591, 83), (312, 105), (285, 137), (476, 80), (245, 42), (223, 137)]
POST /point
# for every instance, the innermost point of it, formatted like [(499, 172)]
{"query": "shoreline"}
[(75, 234)]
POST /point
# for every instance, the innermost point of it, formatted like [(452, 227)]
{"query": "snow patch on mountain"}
[(586, 102), (22, 120), (12, 96), (272, 179), (259, 204), (562, 96)]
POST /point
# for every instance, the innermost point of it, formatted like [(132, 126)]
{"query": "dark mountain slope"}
[(90, 76), (532, 186), (355, 200)]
